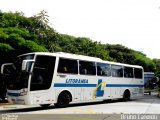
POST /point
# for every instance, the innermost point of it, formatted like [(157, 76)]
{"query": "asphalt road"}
[(148, 104)]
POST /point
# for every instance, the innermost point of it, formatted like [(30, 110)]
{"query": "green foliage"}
[(15, 40), (147, 63), (5, 48), (120, 53), (157, 63), (125, 55), (31, 46), (6, 52), (3, 36)]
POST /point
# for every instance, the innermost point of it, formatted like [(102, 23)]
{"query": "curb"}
[(2, 104)]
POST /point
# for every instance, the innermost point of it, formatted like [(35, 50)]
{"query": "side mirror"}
[(6, 68), (26, 65)]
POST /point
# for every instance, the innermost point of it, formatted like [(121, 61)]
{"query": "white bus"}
[(42, 78)]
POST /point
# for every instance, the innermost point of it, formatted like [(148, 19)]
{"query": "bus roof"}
[(81, 57), (67, 55)]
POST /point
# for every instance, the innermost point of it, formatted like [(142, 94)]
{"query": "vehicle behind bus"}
[(149, 82)]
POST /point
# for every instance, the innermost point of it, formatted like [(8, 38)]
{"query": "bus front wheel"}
[(63, 100)]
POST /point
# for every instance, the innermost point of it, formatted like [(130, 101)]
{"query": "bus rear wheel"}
[(126, 95), (63, 100)]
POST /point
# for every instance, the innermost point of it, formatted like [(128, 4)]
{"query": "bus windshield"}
[(18, 79), (42, 73)]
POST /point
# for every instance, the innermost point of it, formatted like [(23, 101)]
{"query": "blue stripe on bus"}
[(124, 85), (74, 85), (13, 94), (94, 85)]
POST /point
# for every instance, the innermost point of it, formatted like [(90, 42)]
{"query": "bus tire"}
[(126, 95), (45, 105), (63, 100)]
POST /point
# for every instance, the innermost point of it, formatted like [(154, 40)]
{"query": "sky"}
[(132, 23)]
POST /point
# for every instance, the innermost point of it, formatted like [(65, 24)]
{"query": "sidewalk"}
[(2, 103)]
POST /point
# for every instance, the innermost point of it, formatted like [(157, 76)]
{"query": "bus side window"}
[(84, 71), (103, 69), (67, 66), (138, 73), (117, 71), (65, 69), (101, 72), (87, 68), (113, 73), (128, 72)]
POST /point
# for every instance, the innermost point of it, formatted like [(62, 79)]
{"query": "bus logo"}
[(99, 90)]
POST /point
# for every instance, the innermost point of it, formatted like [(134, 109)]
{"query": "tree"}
[(6, 53), (46, 35), (147, 63), (157, 63), (13, 42)]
